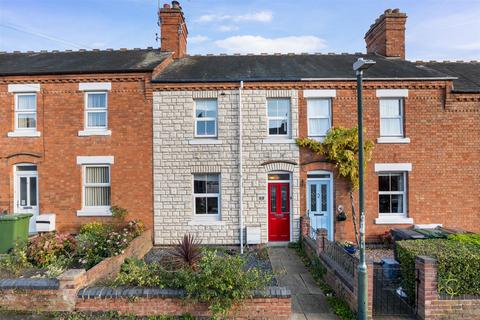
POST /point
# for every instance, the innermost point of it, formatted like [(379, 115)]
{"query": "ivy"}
[(340, 147)]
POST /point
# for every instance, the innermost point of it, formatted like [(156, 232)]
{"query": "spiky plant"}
[(187, 252)]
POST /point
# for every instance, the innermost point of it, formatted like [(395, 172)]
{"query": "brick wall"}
[(430, 305), (60, 115), (439, 152), (344, 284), (167, 302)]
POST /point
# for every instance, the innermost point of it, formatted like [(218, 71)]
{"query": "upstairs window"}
[(206, 192), (278, 117), (26, 111), (319, 117), (391, 117), (206, 118), (96, 111), (392, 194)]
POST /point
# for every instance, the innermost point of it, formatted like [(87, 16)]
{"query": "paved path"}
[(308, 300)]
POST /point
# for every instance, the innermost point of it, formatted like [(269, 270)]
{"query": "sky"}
[(436, 29)]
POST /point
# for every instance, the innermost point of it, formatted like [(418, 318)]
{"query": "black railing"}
[(342, 258)]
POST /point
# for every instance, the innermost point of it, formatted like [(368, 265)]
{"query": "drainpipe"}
[(240, 163)]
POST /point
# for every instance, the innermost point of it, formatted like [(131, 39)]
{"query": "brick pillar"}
[(426, 269), (305, 226), (321, 239)]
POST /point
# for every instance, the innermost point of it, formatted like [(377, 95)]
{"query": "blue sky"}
[(436, 29)]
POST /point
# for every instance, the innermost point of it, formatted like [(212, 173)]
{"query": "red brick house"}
[(158, 132), (69, 134)]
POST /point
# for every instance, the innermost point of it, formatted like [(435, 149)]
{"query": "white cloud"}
[(198, 39), (258, 44), (260, 16), (227, 28), (445, 36)]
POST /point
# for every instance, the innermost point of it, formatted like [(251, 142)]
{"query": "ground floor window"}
[(206, 192), (392, 193), (96, 184)]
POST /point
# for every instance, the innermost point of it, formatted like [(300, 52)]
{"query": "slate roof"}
[(468, 74), (226, 68), (71, 62)]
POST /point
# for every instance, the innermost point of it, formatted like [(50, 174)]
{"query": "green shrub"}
[(137, 273), (98, 241), (468, 238), (16, 260), (48, 248), (222, 281), (457, 264)]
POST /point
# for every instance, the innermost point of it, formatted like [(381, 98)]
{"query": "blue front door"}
[(319, 205)]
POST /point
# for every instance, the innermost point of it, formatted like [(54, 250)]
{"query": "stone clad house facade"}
[(217, 153)]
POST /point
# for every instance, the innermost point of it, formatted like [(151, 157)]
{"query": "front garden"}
[(50, 254)]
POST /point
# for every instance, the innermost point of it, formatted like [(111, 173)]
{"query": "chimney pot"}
[(173, 30)]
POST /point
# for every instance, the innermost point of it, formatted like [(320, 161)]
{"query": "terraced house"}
[(216, 153)]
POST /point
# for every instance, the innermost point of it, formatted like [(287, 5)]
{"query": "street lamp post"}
[(359, 66)]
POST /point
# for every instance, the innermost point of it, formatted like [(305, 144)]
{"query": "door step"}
[(278, 243)]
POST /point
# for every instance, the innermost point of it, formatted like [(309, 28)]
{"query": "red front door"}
[(279, 211)]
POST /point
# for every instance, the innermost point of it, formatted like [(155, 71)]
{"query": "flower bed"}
[(48, 255), (214, 280), (53, 267)]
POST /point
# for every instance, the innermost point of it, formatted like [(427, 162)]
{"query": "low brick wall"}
[(273, 303), (431, 305), (344, 284), (60, 294)]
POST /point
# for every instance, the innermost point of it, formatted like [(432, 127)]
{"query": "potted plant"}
[(349, 247)]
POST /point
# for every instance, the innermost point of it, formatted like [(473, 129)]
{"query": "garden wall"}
[(273, 303), (341, 270), (60, 294), (433, 306)]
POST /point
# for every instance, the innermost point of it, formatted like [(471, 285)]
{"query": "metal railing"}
[(343, 259)]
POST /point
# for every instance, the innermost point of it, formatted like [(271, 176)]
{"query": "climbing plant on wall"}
[(340, 147)]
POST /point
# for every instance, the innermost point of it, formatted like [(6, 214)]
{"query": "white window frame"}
[(289, 129), (208, 217), (319, 137), (95, 210), (95, 110), (401, 117), (215, 135), (18, 112), (403, 214)]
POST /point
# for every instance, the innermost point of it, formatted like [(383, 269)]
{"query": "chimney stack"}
[(173, 30), (387, 35)]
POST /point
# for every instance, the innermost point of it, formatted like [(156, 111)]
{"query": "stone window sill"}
[(87, 133), (277, 141), (24, 134), (203, 222), (204, 141), (393, 220), (94, 212), (398, 140)]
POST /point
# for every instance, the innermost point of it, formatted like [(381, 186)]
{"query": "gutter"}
[(240, 163)]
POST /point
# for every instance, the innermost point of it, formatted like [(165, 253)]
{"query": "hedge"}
[(457, 264)]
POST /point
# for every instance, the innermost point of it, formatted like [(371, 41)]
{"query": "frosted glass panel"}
[(318, 127), (390, 108), (391, 127), (318, 108)]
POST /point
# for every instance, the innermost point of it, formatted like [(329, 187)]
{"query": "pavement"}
[(308, 300)]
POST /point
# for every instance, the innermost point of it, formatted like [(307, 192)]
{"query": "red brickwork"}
[(257, 308), (387, 35), (430, 305), (173, 30), (60, 115)]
